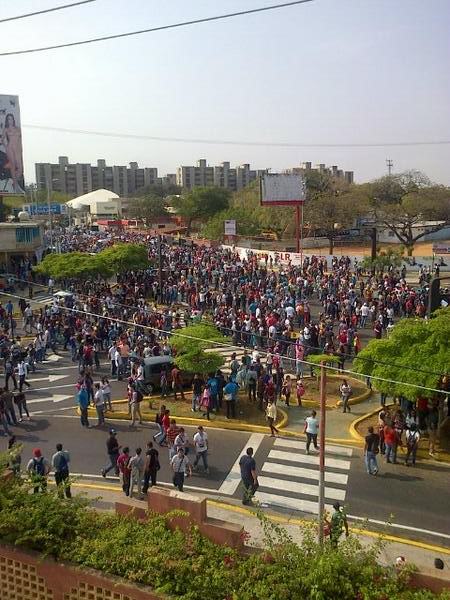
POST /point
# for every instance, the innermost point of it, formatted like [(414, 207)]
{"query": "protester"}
[(60, 465), (249, 478), (38, 468)]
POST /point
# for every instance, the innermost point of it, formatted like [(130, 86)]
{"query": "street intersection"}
[(415, 500)]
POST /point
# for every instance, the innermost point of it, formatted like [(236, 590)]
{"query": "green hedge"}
[(190, 567)]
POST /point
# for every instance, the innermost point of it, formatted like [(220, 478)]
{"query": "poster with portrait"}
[(11, 158)]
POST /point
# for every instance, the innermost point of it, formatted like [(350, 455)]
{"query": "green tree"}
[(384, 260), (330, 212), (404, 202), (121, 258), (191, 344), (149, 208), (245, 223), (416, 352), (74, 265), (201, 203), (162, 190)]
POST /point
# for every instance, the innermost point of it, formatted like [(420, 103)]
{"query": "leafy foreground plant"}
[(189, 566)]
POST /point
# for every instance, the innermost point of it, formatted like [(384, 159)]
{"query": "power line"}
[(153, 29), (222, 344), (345, 355), (234, 142), (46, 10)]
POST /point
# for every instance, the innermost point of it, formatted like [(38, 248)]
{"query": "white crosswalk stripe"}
[(290, 478)]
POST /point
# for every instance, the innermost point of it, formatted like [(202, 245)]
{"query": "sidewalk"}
[(418, 553), (337, 422)]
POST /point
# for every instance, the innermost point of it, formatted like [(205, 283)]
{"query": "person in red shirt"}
[(124, 469), (390, 441), (171, 434)]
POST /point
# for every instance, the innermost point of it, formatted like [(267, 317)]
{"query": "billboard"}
[(11, 161), (42, 209), (282, 189), (230, 227)]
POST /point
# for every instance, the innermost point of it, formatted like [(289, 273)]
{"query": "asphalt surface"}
[(414, 498)]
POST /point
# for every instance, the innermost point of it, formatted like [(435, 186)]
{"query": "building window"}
[(26, 235)]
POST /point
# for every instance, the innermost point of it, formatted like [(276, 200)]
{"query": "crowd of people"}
[(279, 313)]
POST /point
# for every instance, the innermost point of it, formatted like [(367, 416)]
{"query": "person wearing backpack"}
[(412, 444), (60, 464), (38, 468)]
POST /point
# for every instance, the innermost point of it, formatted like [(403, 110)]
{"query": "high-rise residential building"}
[(231, 178), (77, 179), (334, 171)]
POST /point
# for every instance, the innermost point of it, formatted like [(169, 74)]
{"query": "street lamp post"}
[(323, 383)]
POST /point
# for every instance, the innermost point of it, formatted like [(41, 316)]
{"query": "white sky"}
[(330, 71)]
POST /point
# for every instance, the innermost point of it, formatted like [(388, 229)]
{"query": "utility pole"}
[(50, 216), (160, 273), (323, 383), (390, 164)]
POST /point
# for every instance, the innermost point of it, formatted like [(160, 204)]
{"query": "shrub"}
[(189, 566)]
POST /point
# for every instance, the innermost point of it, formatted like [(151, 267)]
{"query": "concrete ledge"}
[(435, 581), (164, 501)]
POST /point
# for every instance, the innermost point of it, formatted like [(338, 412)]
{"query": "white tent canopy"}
[(92, 199)]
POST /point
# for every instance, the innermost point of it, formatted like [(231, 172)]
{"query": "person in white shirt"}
[(22, 371), (201, 448), (99, 401), (311, 429), (365, 310)]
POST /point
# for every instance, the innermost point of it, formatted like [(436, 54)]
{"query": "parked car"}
[(153, 365)]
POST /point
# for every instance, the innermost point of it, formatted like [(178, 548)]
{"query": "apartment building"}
[(223, 175), (334, 171), (77, 179)]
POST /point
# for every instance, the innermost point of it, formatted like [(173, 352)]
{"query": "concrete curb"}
[(192, 421)]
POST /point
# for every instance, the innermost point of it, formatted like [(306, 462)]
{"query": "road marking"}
[(55, 398), (52, 358), (308, 459), (288, 470), (53, 387), (299, 504), (373, 534), (287, 485), (231, 483), (165, 483), (398, 526), (49, 378), (300, 445)]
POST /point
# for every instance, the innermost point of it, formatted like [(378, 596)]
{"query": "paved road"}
[(416, 500)]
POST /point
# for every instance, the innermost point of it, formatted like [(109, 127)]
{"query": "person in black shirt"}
[(371, 447), (248, 475), (112, 448), (151, 468)]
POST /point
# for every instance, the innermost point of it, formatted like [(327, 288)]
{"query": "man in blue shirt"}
[(213, 386), (83, 401), (249, 479), (230, 392)]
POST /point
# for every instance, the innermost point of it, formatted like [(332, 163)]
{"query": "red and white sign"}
[(282, 189), (441, 249)]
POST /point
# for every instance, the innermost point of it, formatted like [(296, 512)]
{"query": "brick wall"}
[(26, 576), (163, 501)]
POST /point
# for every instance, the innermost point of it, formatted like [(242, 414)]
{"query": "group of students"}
[(38, 467), (139, 470), (397, 429)]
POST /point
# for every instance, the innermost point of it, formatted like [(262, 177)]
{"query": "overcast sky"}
[(331, 71)]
